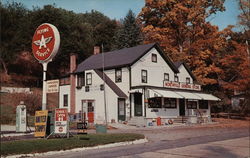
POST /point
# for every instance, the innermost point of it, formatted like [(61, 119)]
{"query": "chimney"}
[(72, 83), (96, 50)]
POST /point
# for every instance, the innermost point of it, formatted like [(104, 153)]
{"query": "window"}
[(80, 80), (169, 103), (176, 78), (166, 77), (188, 80), (102, 87), (65, 100), (192, 104), (89, 78), (203, 104), (86, 88), (154, 58), (90, 107), (154, 102), (118, 75), (144, 76)]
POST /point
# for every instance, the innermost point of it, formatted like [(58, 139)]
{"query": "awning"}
[(163, 93), (208, 97), (189, 95)]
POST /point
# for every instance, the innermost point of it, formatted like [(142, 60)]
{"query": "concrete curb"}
[(15, 134), (139, 141)]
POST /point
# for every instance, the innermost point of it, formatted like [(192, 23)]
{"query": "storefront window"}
[(192, 104), (203, 104), (65, 100), (154, 102), (169, 103)]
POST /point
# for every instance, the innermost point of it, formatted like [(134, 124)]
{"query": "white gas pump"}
[(21, 122)]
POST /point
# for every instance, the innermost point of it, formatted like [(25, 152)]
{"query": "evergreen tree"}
[(129, 33)]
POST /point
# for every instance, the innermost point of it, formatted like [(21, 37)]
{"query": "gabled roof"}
[(179, 63), (111, 84), (121, 58)]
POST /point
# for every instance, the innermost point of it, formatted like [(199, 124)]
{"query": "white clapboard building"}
[(137, 84)]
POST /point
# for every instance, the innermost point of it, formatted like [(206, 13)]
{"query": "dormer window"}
[(154, 58), (176, 78), (118, 75), (166, 77), (188, 80)]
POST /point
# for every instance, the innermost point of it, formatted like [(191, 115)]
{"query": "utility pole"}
[(104, 85)]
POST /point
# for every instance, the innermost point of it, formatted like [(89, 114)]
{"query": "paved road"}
[(177, 142)]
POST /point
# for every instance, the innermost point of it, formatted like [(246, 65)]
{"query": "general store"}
[(137, 84)]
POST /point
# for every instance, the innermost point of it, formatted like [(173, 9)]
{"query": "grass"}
[(43, 145)]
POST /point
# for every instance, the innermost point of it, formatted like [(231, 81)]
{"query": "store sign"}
[(40, 123), (61, 121), (53, 86), (45, 42), (178, 85)]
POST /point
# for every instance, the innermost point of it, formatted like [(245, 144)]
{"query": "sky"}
[(117, 9)]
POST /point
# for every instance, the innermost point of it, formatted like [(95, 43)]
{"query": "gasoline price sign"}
[(61, 121)]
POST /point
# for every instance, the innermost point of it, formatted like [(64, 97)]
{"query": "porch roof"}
[(163, 93), (189, 95), (208, 96)]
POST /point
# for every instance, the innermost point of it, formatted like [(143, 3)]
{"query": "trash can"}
[(158, 121), (101, 128)]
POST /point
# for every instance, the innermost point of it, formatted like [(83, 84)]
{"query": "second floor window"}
[(89, 78), (188, 80), (166, 77), (80, 80), (144, 76), (118, 75), (65, 100), (176, 78)]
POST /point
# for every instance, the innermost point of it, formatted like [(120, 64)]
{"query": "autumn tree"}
[(129, 33), (235, 62), (182, 30)]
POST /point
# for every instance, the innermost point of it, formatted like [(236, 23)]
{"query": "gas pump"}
[(21, 124)]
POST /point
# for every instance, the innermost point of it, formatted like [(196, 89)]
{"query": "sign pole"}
[(44, 99)]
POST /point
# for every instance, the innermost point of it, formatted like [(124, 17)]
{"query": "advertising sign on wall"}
[(40, 123), (52, 86), (61, 121)]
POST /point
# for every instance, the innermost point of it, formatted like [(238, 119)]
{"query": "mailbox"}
[(21, 123)]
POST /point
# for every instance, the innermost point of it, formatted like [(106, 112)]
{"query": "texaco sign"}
[(45, 43)]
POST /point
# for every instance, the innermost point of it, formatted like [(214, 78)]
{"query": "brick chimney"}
[(72, 83), (97, 50)]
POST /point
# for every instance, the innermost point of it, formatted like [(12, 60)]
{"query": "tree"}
[(129, 33), (14, 23), (244, 17), (182, 30), (78, 32)]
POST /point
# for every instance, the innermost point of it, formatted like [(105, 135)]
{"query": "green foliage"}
[(129, 34), (78, 32), (44, 145)]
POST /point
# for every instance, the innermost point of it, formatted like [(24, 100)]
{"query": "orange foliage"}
[(181, 29)]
